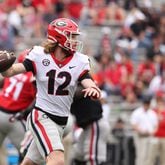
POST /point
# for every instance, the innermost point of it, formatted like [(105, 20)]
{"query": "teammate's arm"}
[(14, 69)]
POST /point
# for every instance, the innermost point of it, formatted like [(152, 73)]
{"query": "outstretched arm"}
[(14, 69)]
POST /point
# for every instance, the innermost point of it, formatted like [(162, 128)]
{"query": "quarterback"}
[(58, 67)]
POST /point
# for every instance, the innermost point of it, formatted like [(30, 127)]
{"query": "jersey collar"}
[(60, 64)]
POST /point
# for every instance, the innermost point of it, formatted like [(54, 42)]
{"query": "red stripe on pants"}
[(40, 126)]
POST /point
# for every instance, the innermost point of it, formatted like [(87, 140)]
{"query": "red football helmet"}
[(65, 32), (22, 55)]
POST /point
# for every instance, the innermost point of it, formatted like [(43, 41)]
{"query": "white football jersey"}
[(56, 81)]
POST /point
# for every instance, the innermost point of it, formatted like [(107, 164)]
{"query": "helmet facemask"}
[(73, 42)]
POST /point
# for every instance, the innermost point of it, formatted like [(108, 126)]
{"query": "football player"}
[(58, 67), (17, 94), (90, 147)]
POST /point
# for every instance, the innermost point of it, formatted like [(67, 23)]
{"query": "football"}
[(6, 60)]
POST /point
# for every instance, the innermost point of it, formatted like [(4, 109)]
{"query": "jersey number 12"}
[(61, 89)]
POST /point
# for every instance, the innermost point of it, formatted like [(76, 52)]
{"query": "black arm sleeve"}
[(29, 65), (85, 76)]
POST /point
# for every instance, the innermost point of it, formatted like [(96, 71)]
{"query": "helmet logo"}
[(61, 23)]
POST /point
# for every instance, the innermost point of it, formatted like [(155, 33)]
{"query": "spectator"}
[(155, 53), (157, 84), (112, 79), (128, 91), (14, 19), (105, 47), (157, 149), (6, 34), (115, 14), (146, 71), (144, 122), (134, 15)]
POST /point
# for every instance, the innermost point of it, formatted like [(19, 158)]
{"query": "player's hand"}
[(93, 92)]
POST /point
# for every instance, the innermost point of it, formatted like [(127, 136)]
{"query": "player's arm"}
[(87, 81), (90, 86), (14, 69)]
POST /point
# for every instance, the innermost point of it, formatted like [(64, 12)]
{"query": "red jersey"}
[(146, 69), (161, 127), (18, 92)]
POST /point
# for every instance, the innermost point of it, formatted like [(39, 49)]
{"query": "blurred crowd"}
[(131, 63), (127, 64)]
